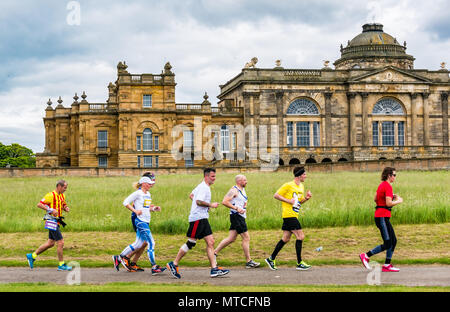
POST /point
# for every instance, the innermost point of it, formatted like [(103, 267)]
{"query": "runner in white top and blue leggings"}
[(140, 202)]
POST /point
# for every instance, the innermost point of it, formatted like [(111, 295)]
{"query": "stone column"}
[(280, 113), (444, 102), (351, 119), (365, 119), (413, 128), (328, 124), (426, 120)]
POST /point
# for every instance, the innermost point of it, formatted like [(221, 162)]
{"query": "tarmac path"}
[(409, 275)]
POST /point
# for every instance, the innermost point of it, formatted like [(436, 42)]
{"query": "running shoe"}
[(135, 267), (218, 271), (116, 260), (389, 268), (271, 264), (174, 270), (157, 270), (302, 266), (126, 263), (30, 260), (252, 264), (365, 261), (64, 267)]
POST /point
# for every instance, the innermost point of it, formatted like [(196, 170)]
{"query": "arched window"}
[(388, 106), (384, 131), (302, 107), (147, 140)]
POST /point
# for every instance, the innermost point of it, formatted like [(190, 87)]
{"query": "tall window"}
[(156, 143), (147, 140), (302, 133), (401, 133), (102, 138), (147, 100), (224, 139), (139, 161), (156, 161), (138, 143), (316, 133), (387, 131), (148, 161), (188, 140), (290, 133), (103, 161), (375, 133)]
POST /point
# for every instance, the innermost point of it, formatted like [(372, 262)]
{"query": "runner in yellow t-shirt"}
[(292, 196), (53, 203)]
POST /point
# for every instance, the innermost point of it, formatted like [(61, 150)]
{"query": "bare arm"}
[(391, 203), (283, 199), (47, 208), (232, 193)]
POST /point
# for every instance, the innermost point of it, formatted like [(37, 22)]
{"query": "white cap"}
[(146, 180)]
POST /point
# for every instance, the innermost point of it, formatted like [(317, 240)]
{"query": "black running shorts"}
[(238, 223), (290, 224), (55, 235), (199, 229)]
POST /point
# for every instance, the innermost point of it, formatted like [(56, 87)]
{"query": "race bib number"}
[(297, 205), (147, 203), (51, 225)]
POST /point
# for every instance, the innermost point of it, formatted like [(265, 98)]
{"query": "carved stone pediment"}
[(390, 74)]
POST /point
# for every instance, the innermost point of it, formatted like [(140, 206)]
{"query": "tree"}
[(16, 155)]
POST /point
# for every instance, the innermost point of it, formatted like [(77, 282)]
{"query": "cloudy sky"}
[(45, 54)]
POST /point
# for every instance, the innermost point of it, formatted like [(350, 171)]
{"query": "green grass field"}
[(339, 199)]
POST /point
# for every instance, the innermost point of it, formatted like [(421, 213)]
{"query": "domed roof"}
[(373, 48), (372, 34)]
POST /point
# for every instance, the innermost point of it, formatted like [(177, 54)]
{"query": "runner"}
[(53, 203), (136, 254), (199, 227), (236, 199), (292, 196), (140, 202), (385, 199)]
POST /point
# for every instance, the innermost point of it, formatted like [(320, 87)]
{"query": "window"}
[(156, 161), (189, 163), (387, 131), (233, 141), (147, 101), (103, 161), (188, 143), (401, 133), (147, 140), (139, 161), (302, 133), (138, 143), (148, 161), (316, 133), (302, 107), (156, 143), (388, 106), (224, 139), (102, 138), (290, 133), (375, 133)]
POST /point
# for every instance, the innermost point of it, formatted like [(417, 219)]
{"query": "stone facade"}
[(373, 105)]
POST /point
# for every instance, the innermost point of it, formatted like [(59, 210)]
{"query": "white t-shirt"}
[(201, 192), (141, 202)]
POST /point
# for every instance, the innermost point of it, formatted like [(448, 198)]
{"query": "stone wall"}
[(364, 166)]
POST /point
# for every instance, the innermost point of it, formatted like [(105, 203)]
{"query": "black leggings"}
[(388, 236)]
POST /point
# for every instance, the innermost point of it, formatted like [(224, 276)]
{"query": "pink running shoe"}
[(389, 268), (365, 261)]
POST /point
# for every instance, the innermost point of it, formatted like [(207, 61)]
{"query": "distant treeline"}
[(16, 155)]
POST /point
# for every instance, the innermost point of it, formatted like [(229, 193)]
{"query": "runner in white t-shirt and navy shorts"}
[(199, 227)]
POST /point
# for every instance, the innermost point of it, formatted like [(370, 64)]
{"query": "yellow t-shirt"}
[(55, 201), (291, 190)]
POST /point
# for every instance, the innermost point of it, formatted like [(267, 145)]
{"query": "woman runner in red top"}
[(385, 200)]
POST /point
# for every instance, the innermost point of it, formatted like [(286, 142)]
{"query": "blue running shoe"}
[(157, 270), (30, 260), (174, 270), (64, 267), (218, 271)]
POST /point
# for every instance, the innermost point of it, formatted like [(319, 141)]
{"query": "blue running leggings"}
[(143, 234), (388, 235)]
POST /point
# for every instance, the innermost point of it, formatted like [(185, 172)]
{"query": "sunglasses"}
[(394, 174)]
